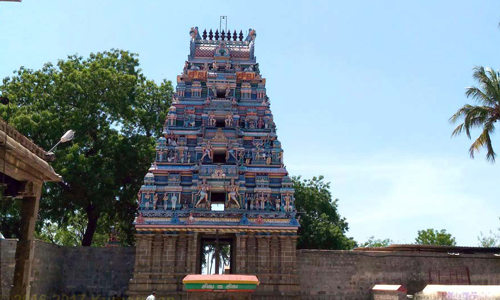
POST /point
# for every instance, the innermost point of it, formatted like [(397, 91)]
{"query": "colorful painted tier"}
[(220, 161)]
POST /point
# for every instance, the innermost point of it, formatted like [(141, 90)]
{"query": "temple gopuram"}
[(217, 199)]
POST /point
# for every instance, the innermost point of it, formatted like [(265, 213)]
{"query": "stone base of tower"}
[(164, 259)]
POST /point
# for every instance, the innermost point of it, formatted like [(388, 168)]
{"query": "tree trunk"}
[(92, 218)]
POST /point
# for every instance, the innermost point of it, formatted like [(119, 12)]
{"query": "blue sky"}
[(361, 91)]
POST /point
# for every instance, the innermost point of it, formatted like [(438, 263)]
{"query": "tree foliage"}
[(435, 237), (484, 115), (115, 110), (491, 240), (376, 243), (322, 227)]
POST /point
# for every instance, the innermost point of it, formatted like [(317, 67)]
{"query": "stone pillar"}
[(24, 250), (157, 249), (251, 251), (274, 249), (192, 239), (171, 254), (164, 254), (181, 253), (286, 254), (148, 257), (243, 254), (294, 253), (263, 254)]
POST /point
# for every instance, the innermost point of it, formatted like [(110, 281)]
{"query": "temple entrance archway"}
[(216, 254)]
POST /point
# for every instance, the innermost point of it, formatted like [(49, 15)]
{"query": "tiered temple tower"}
[(218, 179)]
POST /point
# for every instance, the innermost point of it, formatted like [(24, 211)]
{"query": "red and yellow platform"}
[(220, 283)]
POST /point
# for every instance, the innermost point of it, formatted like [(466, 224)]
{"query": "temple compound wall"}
[(342, 275), (322, 274), (59, 271)]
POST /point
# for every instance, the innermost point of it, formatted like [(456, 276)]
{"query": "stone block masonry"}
[(323, 274), (70, 270), (349, 275)]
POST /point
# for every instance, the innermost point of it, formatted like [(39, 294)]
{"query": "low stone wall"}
[(349, 275), (98, 271), (61, 271), (323, 274), (7, 263)]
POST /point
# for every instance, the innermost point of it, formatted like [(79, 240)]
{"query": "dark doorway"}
[(217, 199), (221, 94), (216, 255), (220, 123), (220, 158)]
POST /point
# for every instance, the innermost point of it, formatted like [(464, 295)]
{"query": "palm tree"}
[(481, 116)]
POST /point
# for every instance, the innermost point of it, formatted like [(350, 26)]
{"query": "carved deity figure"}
[(155, 201), (267, 120), (215, 65), (288, 202), (233, 194), (228, 92), (218, 172), (214, 92), (203, 194), (207, 151), (252, 203), (241, 157), (211, 119), (205, 66), (172, 117), (190, 219), (171, 140), (193, 33), (229, 120), (181, 155), (251, 124), (173, 200), (280, 157), (277, 202), (172, 156), (139, 197), (260, 123), (261, 202), (268, 159), (248, 157), (189, 120), (228, 66), (230, 153)]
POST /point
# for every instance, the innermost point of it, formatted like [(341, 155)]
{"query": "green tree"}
[(491, 240), (488, 241), (115, 110), (72, 234), (435, 237), (376, 243), (322, 227), (484, 115)]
